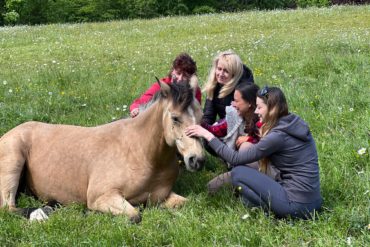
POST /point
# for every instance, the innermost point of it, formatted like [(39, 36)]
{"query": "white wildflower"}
[(10, 90), (117, 109), (246, 216), (361, 151), (5, 82), (50, 93), (351, 109), (349, 241), (84, 105)]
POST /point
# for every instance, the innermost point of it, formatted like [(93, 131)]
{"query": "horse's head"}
[(180, 111)]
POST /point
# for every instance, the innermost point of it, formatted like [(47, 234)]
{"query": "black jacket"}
[(216, 106)]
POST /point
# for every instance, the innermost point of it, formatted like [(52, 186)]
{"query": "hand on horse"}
[(134, 112), (199, 131)]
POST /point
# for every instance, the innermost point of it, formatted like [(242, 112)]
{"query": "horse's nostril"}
[(195, 162), (192, 159)]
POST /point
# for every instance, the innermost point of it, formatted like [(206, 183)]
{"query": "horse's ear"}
[(165, 88)]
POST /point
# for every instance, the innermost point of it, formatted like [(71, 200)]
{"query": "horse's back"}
[(55, 156)]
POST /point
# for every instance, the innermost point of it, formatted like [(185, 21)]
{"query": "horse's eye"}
[(176, 120)]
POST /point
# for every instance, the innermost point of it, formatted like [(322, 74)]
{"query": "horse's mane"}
[(182, 95)]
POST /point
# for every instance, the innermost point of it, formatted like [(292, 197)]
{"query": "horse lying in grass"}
[(109, 168)]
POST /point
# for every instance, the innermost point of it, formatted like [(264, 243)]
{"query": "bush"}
[(143, 8), (203, 10), (2, 12), (349, 1), (61, 11), (311, 3), (11, 18), (274, 4), (181, 9)]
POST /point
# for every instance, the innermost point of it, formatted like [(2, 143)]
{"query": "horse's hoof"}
[(135, 219)]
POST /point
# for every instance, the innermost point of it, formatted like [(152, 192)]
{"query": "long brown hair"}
[(277, 107)]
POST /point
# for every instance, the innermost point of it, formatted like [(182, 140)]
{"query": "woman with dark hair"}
[(287, 143), (241, 112), (239, 129), (183, 69)]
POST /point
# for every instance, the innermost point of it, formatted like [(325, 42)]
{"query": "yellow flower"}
[(258, 72)]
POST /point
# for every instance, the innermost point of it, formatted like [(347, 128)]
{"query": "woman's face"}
[(261, 109), (222, 74), (242, 106), (176, 75)]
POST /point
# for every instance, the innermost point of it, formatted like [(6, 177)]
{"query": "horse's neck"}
[(150, 124)]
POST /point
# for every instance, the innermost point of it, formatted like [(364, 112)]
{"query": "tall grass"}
[(87, 74)]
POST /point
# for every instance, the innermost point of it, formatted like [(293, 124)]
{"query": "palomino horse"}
[(110, 168)]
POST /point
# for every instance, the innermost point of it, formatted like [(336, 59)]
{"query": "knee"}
[(237, 175)]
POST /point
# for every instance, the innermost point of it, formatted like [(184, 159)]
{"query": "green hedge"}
[(61, 11)]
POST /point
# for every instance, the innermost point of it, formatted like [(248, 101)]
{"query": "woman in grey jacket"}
[(287, 143)]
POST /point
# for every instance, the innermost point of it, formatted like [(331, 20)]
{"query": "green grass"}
[(84, 74)]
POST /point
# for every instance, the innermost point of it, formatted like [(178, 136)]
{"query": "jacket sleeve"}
[(209, 112), (219, 129), (145, 97), (268, 145)]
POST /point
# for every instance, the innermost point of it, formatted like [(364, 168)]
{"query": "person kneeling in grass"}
[(239, 130), (286, 142)]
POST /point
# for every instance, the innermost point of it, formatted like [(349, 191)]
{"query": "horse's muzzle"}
[(193, 162)]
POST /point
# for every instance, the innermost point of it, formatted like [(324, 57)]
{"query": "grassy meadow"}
[(88, 74)]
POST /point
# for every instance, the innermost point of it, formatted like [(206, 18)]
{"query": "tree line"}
[(32, 12)]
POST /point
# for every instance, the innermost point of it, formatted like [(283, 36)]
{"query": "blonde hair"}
[(234, 66)]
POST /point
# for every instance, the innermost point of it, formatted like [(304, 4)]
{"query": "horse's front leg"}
[(113, 202), (173, 201)]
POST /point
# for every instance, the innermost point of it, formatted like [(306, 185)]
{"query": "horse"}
[(111, 168)]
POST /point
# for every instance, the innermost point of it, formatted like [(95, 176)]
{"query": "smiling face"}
[(261, 109), (243, 107), (223, 74)]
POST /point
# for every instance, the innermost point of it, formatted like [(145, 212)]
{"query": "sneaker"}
[(216, 183)]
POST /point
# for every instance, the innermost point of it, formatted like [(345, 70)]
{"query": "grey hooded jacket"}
[(291, 149)]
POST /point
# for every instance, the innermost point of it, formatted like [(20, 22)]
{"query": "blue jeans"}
[(259, 190)]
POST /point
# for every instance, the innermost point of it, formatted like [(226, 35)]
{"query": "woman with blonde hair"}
[(226, 73), (287, 143)]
